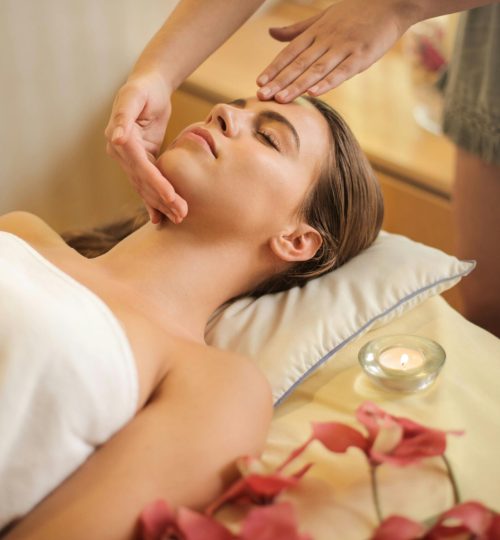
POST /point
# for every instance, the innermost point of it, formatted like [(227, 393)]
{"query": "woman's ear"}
[(299, 245)]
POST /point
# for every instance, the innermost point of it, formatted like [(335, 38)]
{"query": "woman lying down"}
[(109, 396)]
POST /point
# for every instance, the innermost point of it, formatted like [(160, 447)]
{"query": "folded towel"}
[(68, 379)]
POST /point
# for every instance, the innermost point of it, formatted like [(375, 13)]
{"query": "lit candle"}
[(401, 359)]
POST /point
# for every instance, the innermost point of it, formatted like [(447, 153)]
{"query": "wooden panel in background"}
[(422, 216)]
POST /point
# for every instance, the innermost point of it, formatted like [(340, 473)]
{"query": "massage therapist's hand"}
[(333, 46), (135, 133)]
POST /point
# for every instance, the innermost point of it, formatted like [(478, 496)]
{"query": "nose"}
[(225, 118)]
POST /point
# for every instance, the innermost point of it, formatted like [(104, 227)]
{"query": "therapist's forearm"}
[(193, 31), (426, 9)]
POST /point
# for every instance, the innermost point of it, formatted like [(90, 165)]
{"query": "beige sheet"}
[(334, 500)]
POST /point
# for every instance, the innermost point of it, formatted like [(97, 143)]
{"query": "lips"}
[(205, 134)]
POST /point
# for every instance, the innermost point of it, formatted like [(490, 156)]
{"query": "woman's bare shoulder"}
[(190, 361), (30, 227)]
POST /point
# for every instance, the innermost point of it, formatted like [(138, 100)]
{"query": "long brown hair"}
[(345, 206)]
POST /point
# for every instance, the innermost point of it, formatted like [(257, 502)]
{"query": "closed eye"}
[(270, 139)]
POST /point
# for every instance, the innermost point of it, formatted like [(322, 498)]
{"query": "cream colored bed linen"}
[(334, 499)]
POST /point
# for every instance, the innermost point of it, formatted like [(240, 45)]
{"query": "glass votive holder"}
[(402, 363)]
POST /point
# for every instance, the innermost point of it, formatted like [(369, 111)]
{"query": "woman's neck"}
[(178, 278)]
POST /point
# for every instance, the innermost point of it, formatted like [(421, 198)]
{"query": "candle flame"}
[(404, 359)]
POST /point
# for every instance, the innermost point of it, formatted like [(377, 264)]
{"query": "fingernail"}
[(117, 133), (313, 89), (262, 79), (282, 94), (264, 92)]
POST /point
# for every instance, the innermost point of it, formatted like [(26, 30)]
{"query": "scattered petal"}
[(416, 442), (197, 526), (158, 521), (469, 517), (257, 488), (398, 528), (276, 522)]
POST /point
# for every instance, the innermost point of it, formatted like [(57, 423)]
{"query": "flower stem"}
[(453, 480), (376, 500)]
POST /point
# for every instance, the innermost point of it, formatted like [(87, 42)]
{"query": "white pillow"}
[(292, 333)]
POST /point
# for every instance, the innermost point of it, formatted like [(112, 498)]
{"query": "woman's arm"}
[(29, 227), (180, 447), (141, 109), (194, 30), (342, 41)]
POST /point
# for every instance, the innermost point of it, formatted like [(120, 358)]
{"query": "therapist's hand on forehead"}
[(331, 47), (323, 51)]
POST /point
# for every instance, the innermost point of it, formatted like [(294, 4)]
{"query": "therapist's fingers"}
[(147, 194), (288, 54), (293, 52), (127, 107), (311, 61), (342, 72), (151, 184), (156, 191), (315, 83)]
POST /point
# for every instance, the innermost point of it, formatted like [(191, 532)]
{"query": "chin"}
[(182, 170)]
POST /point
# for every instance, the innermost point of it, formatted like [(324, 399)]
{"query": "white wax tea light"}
[(401, 359), (402, 363)]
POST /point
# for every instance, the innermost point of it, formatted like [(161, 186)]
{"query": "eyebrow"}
[(271, 115)]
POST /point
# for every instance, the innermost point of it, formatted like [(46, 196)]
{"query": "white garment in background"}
[(68, 379)]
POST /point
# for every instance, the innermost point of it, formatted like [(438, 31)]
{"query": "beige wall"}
[(61, 62)]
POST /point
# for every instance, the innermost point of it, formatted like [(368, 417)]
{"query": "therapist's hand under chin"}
[(135, 133), (332, 46)]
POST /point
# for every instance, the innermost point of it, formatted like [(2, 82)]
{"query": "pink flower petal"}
[(473, 517), (417, 441), (257, 488), (494, 532), (295, 453), (156, 520), (370, 416), (276, 522), (398, 528), (409, 451), (388, 438), (338, 437), (197, 526)]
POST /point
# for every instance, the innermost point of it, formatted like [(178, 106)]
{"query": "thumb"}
[(126, 111), (287, 33)]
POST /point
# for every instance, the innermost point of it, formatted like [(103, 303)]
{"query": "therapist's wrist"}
[(409, 12), (156, 74)]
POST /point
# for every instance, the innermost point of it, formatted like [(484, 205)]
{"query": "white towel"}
[(68, 379)]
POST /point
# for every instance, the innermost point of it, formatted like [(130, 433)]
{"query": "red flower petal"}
[(197, 526), (369, 415), (339, 437), (417, 441), (474, 517), (156, 520), (257, 488), (494, 532), (398, 528), (276, 522), (295, 453), (413, 450)]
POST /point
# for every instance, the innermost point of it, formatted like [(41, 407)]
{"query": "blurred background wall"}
[(61, 63)]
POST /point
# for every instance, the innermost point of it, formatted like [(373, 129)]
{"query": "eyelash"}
[(270, 139)]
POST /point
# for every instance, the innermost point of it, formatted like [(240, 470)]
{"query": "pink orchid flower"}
[(397, 440), (159, 522), (275, 522), (391, 439), (471, 518), (257, 488)]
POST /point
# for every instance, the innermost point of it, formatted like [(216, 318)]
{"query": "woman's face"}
[(256, 168)]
